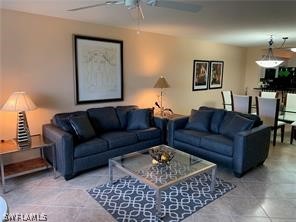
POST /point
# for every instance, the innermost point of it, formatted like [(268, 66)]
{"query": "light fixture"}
[(268, 60), (20, 102), (161, 84), (293, 49)]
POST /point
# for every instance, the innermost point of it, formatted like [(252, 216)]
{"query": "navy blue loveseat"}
[(236, 140), (99, 134)]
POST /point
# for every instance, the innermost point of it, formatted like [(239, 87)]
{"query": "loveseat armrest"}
[(173, 125), (64, 148), (251, 149)]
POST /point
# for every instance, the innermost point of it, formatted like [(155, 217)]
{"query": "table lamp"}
[(20, 102), (161, 84)]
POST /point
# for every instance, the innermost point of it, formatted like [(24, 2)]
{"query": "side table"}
[(166, 119), (8, 147)]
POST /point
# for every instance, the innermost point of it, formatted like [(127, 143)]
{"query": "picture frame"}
[(98, 69), (216, 74), (200, 75)]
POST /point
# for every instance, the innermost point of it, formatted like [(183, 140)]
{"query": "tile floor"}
[(267, 193)]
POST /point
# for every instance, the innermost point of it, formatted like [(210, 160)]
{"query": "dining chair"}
[(227, 100), (265, 94), (289, 111), (268, 111), (242, 104), (293, 132)]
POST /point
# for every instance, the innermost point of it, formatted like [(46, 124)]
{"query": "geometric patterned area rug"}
[(130, 200)]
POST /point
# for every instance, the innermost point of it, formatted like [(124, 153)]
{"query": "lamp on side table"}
[(20, 102), (161, 84)]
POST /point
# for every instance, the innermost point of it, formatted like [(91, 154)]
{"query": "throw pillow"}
[(82, 127), (237, 124), (200, 120), (122, 112), (138, 119)]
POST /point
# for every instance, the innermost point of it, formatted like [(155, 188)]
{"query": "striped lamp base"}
[(23, 132)]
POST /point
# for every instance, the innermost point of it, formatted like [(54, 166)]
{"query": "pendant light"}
[(268, 60)]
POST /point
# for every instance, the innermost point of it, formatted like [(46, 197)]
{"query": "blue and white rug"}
[(130, 200)]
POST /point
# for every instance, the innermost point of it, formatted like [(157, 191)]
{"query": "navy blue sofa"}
[(222, 138), (110, 137)]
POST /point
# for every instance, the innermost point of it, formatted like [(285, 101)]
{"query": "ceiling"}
[(241, 23)]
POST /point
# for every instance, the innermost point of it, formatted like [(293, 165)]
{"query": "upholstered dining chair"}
[(268, 110), (265, 94), (242, 104), (227, 100), (289, 111)]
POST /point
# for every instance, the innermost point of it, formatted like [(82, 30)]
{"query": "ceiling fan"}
[(136, 4)]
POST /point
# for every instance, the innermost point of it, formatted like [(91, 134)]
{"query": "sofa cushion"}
[(237, 124), (190, 136), (82, 127), (218, 144), (217, 118), (119, 138), (147, 134), (104, 119), (138, 119), (122, 114), (200, 120), (227, 118), (61, 120), (255, 118), (90, 147)]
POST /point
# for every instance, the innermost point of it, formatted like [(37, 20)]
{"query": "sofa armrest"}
[(64, 148), (174, 124), (251, 148)]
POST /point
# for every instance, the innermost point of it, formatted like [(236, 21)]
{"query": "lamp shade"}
[(161, 83), (18, 102), (268, 60)]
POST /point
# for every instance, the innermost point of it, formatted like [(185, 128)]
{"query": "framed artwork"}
[(216, 74), (200, 75), (98, 69)]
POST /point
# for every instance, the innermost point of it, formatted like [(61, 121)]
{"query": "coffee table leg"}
[(158, 205), (213, 179), (110, 172)]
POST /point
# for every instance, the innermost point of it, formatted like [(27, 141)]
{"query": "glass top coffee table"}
[(161, 176)]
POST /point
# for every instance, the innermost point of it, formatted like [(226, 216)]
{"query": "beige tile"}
[(212, 218), (65, 214), (244, 206), (250, 219), (74, 198), (41, 195), (279, 208), (94, 215)]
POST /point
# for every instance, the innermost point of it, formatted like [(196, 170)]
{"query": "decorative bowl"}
[(161, 155)]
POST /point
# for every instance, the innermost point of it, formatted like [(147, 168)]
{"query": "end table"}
[(9, 147)]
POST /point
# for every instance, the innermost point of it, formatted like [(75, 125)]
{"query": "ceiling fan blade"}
[(182, 6), (97, 5)]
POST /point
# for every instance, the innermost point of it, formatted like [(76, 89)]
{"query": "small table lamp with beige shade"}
[(20, 102), (161, 84)]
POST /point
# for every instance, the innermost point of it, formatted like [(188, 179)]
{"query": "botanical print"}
[(99, 74)]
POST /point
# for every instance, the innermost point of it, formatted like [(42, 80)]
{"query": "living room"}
[(37, 57)]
